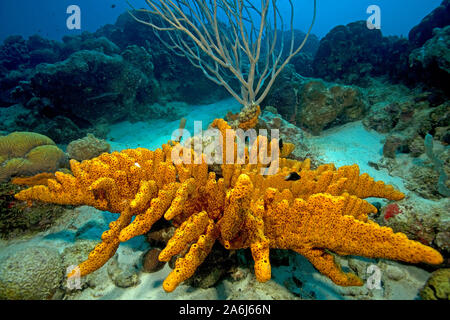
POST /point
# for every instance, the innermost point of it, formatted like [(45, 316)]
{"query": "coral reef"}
[(118, 89), (407, 121), (177, 79), (284, 95), (434, 51), (135, 78), (302, 62), (28, 153), (14, 52), (324, 210), (438, 286), (87, 148), (352, 53), (30, 273)]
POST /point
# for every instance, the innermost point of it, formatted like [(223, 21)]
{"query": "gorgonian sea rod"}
[(322, 211)]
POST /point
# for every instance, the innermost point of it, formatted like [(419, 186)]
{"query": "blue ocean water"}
[(47, 18), (95, 104)]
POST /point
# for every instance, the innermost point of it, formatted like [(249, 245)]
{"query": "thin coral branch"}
[(241, 45)]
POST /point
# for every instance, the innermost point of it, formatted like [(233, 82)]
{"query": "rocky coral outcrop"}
[(438, 18), (40, 115), (178, 80), (90, 86), (30, 273), (303, 61), (87, 148), (14, 52), (432, 60), (434, 51), (315, 104), (284, 94), (325, 105), (408, 120), (88, 81), (353, 52)]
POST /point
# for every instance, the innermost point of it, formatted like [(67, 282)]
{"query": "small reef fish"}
[(293, 176)]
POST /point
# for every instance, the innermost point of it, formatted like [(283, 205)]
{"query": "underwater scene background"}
[(112, 188)]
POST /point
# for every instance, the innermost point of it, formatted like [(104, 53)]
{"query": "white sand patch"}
[(152, 133), (353, 143)]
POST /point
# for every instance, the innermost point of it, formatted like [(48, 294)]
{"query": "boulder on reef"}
[(438, 18), (90, 86), (325, 105), (432, 60)]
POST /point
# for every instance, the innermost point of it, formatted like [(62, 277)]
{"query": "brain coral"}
[(437, 286), (28, 153), (30, 273)]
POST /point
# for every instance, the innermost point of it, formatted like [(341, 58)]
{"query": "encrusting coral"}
[(246, 119), (87, 148), (322, 211)]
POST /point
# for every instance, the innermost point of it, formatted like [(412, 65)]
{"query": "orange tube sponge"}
[(322, 211), (185, 267), (189, 231), (38, 179)]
